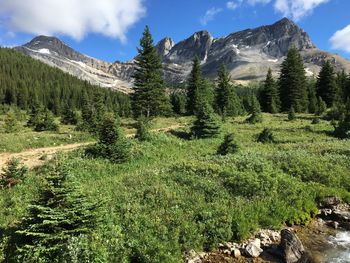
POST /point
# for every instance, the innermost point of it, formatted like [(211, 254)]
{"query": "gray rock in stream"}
[(292, 249)]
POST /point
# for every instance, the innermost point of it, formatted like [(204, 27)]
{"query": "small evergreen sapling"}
[(321, 106), (206, 124), (112, 144), (229, 145), (142, 131), (58, 215), (256, 116), (12, 174), (291, 114), (10, 123), (342, 129), (266, 136)]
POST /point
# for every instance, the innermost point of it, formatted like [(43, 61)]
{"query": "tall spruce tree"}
[(194, 84), (59, 214), (269, 97), (226, 100), (342, 81), (149, 98), (326, 86), (292, 83)]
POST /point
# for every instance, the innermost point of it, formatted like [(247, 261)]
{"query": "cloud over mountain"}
[(341, 39), (74, 18)]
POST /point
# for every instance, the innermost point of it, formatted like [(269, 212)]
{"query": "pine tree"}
[(342, 129), (12, 173), (255, 111), (326, 86), (321, 106), (178, 102), (69, 115), (194, 86), (149, 98), (342, 81), (10, 123), (229, 145), (291, 114), (142, 131), (269, 98), (59, 214), (44, 121), (266, 136), (112, 144), (312, 108), (227, 101), (292, 83), (206, 124)]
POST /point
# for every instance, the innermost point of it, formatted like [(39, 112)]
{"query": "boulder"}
[(236, 253), (292, 249), (329, 202), (193, 257), (253, 248)]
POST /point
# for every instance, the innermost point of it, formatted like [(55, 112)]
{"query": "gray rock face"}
[(248, 54), (54, 52), (198, 45), (291, 247), (164, 46)]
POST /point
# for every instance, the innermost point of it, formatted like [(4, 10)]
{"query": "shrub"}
[(316, 121), (70, 116), (291, 114), (142, 131), (112, 145), (266, 136), (342, 129), (13, 173), (42, 120), (11, 123), (229, 145), (206, 124), (255, 118)]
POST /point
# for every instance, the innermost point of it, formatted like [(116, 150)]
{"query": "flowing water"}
[(340, 248)]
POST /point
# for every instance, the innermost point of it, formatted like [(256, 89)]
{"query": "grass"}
[(176, 194), (26, 138)]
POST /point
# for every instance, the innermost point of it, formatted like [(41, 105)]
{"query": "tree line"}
[(27, 83)]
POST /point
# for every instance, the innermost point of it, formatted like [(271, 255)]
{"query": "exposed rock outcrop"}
[(291, 247)]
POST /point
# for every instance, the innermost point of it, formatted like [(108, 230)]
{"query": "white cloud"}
[(210, 15), (341, 39), (232, 5), (254, 2), (297, 9), (74, 18)]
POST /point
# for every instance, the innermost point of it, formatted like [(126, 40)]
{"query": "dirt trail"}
[(33, 157)]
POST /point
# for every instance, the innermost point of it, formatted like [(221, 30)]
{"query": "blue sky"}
[(110, 29)]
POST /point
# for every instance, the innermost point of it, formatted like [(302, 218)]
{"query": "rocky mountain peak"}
[(196, 45), (48, 45), (164, 46)]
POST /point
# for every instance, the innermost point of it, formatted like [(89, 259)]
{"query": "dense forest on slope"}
[(25, 82)]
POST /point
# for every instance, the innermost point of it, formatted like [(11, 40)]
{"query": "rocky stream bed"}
[(325, 240)]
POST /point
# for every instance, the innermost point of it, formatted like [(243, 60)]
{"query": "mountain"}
[(248, 54), (55, 52)]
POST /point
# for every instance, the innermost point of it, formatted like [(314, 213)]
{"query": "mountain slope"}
[(26, 83), (54, 52), (248, 54)]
